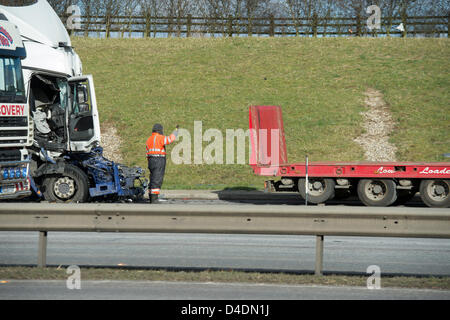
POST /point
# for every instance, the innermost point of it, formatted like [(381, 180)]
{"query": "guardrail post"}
[(42, 249), (319, 256)]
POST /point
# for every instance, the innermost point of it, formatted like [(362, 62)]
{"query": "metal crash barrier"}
[(229, 219)]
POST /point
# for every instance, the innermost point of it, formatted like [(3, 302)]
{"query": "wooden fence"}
[(190, 26)]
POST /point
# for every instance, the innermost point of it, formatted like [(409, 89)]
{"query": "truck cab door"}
[(83, 121)]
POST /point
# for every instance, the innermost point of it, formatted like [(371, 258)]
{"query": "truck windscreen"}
[(12, 88)]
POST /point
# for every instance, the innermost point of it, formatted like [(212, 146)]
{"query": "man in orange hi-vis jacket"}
[(156, 156)]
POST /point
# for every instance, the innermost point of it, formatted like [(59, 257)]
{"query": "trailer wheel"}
[(435, 193), (377, 192), (70, 186), (319, 189)]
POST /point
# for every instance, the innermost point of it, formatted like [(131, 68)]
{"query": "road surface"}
[(413, 256), (159, 290)]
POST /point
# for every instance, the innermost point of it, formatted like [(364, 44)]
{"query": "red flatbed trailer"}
[(376, 183)]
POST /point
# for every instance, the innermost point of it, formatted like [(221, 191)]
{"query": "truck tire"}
[(70, 186), (435, 193), (320, 189), (377, 192)]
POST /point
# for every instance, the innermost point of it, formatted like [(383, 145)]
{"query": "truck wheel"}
[(377, 192), (319, 189), (435, 193), (71, 186)]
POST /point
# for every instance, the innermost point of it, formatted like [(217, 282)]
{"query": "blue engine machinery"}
[(108, 178)]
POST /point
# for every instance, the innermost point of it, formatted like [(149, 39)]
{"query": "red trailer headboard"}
[(267, 138)]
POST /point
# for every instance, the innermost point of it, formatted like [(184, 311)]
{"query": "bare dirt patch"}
[(378, 124)]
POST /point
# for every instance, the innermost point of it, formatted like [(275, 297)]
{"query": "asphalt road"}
[(261, 252), (158, 290), (401, 256)]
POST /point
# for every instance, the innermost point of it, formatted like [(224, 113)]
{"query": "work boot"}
[(154, 199)]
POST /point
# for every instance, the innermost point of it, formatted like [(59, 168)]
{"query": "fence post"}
[(405, 24), (42, 249), (178, 26), (388, 27), (358, 25), (122, 28), (130, 26), (230, 26), (319, 256), (189, 25), (108, 26), (169, 27), (249, 26), (147, 26), (272, 26), (315, 23), (87, 24)]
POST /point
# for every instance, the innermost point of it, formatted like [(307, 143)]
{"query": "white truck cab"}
[(50, 124), (15, 126), (62, 101)]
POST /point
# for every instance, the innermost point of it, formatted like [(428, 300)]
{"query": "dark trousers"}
[(157, 167)]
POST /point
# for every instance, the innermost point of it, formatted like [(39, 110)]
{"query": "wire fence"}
[(191, 26)]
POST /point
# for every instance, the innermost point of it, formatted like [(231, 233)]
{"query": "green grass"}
[(30, 273), (319, 83)]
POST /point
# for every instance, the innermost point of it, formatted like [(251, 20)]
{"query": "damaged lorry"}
[(49, 125)]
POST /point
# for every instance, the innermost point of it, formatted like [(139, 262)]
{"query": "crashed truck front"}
[(15, 127), (63, 107), (52, 72)]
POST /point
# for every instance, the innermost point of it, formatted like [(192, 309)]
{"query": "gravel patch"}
[(378, 124), (111, 144)]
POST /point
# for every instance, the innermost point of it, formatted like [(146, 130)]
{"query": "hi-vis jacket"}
[(156, 142)]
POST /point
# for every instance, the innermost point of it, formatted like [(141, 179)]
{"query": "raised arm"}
[(172, 137)]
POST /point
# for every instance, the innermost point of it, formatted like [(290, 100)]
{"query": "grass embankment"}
[(319, 83), (29, 273)]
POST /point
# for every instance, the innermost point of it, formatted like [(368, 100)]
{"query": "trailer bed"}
[(374, 180), (411, 170)]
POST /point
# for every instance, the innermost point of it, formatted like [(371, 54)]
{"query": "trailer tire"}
[(377, 192), (69, 186), (323, 192), (435, 193)]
